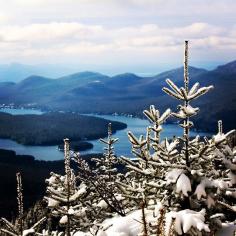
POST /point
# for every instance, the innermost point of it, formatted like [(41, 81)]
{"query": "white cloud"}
[(49, 32), (161, 11), (91, 41), (119, 31)]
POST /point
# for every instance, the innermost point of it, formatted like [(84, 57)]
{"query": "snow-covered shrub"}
[(63, 195), (84, 197), (103, 199), (194, 179), (22, 226)]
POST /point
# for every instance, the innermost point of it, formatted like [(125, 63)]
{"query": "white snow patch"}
[(63, 220), (200, 190), (71, 211), (219, 138), (52, 180), (173, 175), (183, 185), (186, 219), (52, 202), (28, 231), (102, 204), (125, 226)]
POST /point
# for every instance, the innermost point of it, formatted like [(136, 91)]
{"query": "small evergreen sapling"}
[(107, 173), (145, 173), (19, 228), (103, 199), (82, 202), (63, 195)]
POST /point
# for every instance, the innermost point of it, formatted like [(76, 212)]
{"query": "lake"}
[(136, 125)]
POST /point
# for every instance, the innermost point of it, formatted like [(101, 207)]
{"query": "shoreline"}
[(50, 129), (129, 115)]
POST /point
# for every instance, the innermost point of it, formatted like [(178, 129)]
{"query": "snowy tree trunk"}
[(20, 202), (186, 103), (68, 179)]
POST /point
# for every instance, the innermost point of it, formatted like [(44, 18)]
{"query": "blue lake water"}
[(21, 111), (136, 125)]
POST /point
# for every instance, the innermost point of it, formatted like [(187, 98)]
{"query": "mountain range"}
[(90, 92), (16, 71)]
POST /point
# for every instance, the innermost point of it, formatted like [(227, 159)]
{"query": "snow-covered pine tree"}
[(145, 173), (103, 199), (63, 196), (202, 184), (19, 227), (194, 179), (105, 166), (106, 170), (107, 173)]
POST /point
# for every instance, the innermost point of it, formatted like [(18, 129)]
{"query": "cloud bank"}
[(112, 31)]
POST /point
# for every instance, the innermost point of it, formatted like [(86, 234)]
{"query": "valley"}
[(89, 92)]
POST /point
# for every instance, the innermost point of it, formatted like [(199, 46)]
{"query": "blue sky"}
[(114, 36)]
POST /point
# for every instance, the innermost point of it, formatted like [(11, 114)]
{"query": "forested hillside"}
[(34, 172), (90, 92), (52, 128)]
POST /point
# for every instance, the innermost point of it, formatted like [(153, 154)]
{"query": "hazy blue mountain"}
[(16, 72), (83, 75), (229, 68), (34, 81), (80, 79), (124, 80), (88, 92), (6, 84), (38, 89)]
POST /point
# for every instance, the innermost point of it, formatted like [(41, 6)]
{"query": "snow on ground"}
[(131, 225)]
